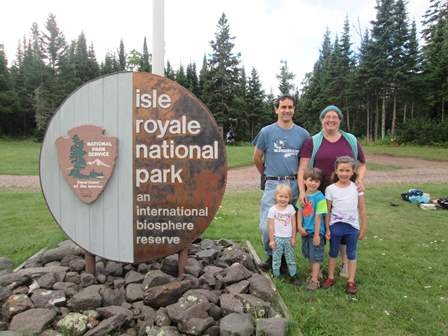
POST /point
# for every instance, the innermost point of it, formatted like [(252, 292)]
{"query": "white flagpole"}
[(158, 38)]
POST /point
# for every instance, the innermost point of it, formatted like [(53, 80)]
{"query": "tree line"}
[(388, 87), (391, 85)]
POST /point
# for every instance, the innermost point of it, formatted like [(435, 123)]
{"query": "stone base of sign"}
[(278, 302), (221, 293)]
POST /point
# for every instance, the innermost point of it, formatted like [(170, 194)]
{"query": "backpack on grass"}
[(416, 196), (443, 203)]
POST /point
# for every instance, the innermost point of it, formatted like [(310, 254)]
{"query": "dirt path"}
[(411, 171)]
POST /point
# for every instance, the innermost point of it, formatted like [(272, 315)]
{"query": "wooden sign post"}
[(133, 167)]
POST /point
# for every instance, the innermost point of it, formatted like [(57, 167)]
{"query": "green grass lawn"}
[(26, 225), (402, 279), (239, 156), (19, 157), (402, 262)]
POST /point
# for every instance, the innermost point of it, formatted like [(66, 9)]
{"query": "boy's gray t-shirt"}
[(281, 148)]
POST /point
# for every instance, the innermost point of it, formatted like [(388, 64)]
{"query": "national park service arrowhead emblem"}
[(87, 159)]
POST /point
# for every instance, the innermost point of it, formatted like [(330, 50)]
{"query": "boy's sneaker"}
[(328, 283), (311, 285), (351, 288), (344, 271)]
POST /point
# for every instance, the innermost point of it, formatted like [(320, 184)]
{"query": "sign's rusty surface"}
[(170, 167), (87, 159), (179, 167)]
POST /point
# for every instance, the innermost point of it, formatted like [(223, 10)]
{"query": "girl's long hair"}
[(344, 159)]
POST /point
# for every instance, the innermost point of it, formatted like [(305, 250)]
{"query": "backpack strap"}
[(317, 141), (353, 142)]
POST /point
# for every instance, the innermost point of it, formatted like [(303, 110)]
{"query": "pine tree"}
[(382, 44), (8, 98), (435, 58), (192, 79), (204, 76), (110, 64), (169, 71), (256, 112), (145, 64), (121, 56), (224, 74), (54, 43), (285, 77), (181, 78)]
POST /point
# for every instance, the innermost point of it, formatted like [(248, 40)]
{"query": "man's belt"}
[(281, 178)]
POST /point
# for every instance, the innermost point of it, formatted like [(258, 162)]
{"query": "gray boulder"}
[(239, 287), (6, 264), (272, 327), (77, 264), (16, 304), (193, 267), (133, 277), (208, 255), (162, 318), (32, 321), (87, 298), (170, 264), (211, 296), (43, 298), (260, 286), (134, 292), (162, 296), (14, 280), (87, 280), (156, 278), (69, 288), (60, 252), (207, 244), (188, 307), (236, 325), (108, 325), (113, 296), (47, 280), (235, 273), (159, 331), (254, 305), (113, 268), (194, 325), (143, 312), (208, 277), (236, 254), (109, 311), (230, 304), (73, 277), (4, 294)]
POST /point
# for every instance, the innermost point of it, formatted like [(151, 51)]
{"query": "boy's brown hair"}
[(314, 174)]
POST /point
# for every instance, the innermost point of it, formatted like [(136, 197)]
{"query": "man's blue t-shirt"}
[(281, 148), (316, 205)]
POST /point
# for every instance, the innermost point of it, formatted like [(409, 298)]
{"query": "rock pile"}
[(221, 293)]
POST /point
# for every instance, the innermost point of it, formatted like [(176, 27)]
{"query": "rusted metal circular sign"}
[(133, 167)]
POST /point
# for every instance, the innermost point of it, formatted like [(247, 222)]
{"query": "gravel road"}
[(411, 171)]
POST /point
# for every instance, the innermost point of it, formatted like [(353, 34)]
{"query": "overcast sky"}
[(266, 31)]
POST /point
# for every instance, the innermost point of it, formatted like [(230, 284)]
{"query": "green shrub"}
[(423, 132)]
